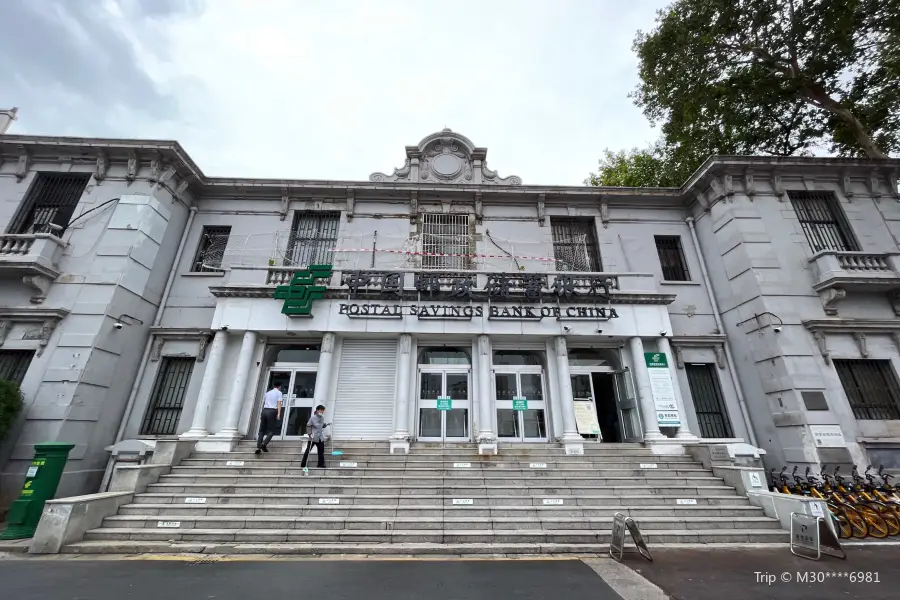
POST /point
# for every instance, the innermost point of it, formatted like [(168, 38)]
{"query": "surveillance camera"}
[(663, 333), (777, 329), (224, 327), (567, 328), (118, 325), (599, 331)]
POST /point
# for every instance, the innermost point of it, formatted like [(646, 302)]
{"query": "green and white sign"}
[(663, 389), (520, 403), (444, 403)]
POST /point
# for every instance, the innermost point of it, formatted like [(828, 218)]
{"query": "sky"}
[(332, 89)]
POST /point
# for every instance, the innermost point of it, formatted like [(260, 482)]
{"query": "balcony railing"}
[(35, 254), (859, 271)]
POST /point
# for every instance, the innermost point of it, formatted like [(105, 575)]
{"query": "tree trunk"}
[(862, 137)]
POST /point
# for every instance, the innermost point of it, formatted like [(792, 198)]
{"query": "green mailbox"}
[(40, 485)]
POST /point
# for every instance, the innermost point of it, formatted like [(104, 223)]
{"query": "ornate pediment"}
[(446, 157)]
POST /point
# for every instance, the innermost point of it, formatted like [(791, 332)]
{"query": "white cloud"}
[(335, 90)]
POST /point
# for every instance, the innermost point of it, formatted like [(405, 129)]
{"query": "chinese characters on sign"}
[(663, 390)]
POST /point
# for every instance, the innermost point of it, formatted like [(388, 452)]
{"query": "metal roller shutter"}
[(364, 403)]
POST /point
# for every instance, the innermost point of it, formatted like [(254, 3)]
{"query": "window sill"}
[(208, 274), (666, 282)]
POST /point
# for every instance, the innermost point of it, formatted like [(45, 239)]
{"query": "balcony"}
[(839, 273), (34, 258)]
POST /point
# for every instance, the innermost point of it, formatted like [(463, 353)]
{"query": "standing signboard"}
[(663, 389)]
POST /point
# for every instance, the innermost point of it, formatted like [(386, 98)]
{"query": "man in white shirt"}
[(268, 420)]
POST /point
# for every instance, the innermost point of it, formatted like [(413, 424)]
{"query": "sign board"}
[(444, 403), (519, 403), (755, 480), (663, 389), (828, 436), (32, 471), (586, 418), (719, 453), (234, 463), (351, 465), (169, 524), (538, 465), (190, 500), (553, 501), (811, 536), (649, 465), (461, 465), (574, 449), (686, 501), (617, 541), (463, 501), (329, 500)]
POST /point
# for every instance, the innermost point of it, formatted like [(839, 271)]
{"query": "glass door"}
[(629, 413), (521, 408), (443, 404), (583, 391), (298, 386)]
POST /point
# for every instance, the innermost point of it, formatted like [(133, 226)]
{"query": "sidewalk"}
[(772, 574)]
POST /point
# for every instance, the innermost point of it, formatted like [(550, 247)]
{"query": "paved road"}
[(84, 579), (759, 574)]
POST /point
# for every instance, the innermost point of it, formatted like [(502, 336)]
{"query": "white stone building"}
[(141, 299)]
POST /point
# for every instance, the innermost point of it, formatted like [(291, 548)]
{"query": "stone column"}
[(571, 438), (487, 440), (239, 387), (211, 376), (323, 376), (645, 395), (400, 438), (684, 431)]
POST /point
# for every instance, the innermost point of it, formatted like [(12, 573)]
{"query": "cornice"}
[(32, 314)]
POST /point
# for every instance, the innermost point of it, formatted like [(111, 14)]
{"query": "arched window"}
[(516, 358), (306, 353), (593, 357), (434, 355)]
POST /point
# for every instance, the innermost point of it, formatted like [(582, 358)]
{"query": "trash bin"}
[(40, 485)]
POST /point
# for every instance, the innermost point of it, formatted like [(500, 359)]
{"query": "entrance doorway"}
[(520, 397), (608, 391), (298, 386), (444, 395)]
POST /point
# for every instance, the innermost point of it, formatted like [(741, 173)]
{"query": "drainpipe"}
[(156, 320), (715, 308)]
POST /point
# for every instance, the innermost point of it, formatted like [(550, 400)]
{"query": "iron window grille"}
[(871, 387), (671, 258), (14, 364), (167, 397), (709, 403), (313, 237), (824, 223), (49, 204), (446, 241), (575, 245), (211, 249)]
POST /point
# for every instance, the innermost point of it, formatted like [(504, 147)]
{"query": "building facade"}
[(757, 305)]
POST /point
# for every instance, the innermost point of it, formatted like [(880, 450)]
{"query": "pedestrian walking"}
[(268, 420), (316, 431)]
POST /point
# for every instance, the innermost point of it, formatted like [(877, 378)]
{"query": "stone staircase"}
[(529, 499)]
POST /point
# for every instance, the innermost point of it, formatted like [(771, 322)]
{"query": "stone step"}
[(212, 507), (362, 536), (474, 480), (455, 477), (601, 496), (330, 523), (362, 550), (450, 452), (221, 458), (415, 446), (468, 470)]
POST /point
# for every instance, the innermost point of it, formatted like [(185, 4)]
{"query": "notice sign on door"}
[(663, 389), (520, 403), (586, 418), (444, 403)]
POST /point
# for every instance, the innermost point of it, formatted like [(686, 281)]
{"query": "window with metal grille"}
[(671, 258), (446, 242), (575, 245), (709, 404), (167, 397), (871, 387), (313, 238), (49, 203), (824, 223), (211, 249), (14, 364)]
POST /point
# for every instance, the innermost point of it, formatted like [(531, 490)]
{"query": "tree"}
[(10, 406), (780, 77)]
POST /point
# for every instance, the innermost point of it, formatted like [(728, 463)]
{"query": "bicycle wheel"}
[(844, 529), (858, 525), (878, 529), (890, 518)]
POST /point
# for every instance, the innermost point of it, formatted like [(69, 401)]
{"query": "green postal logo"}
[(298, 296)]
